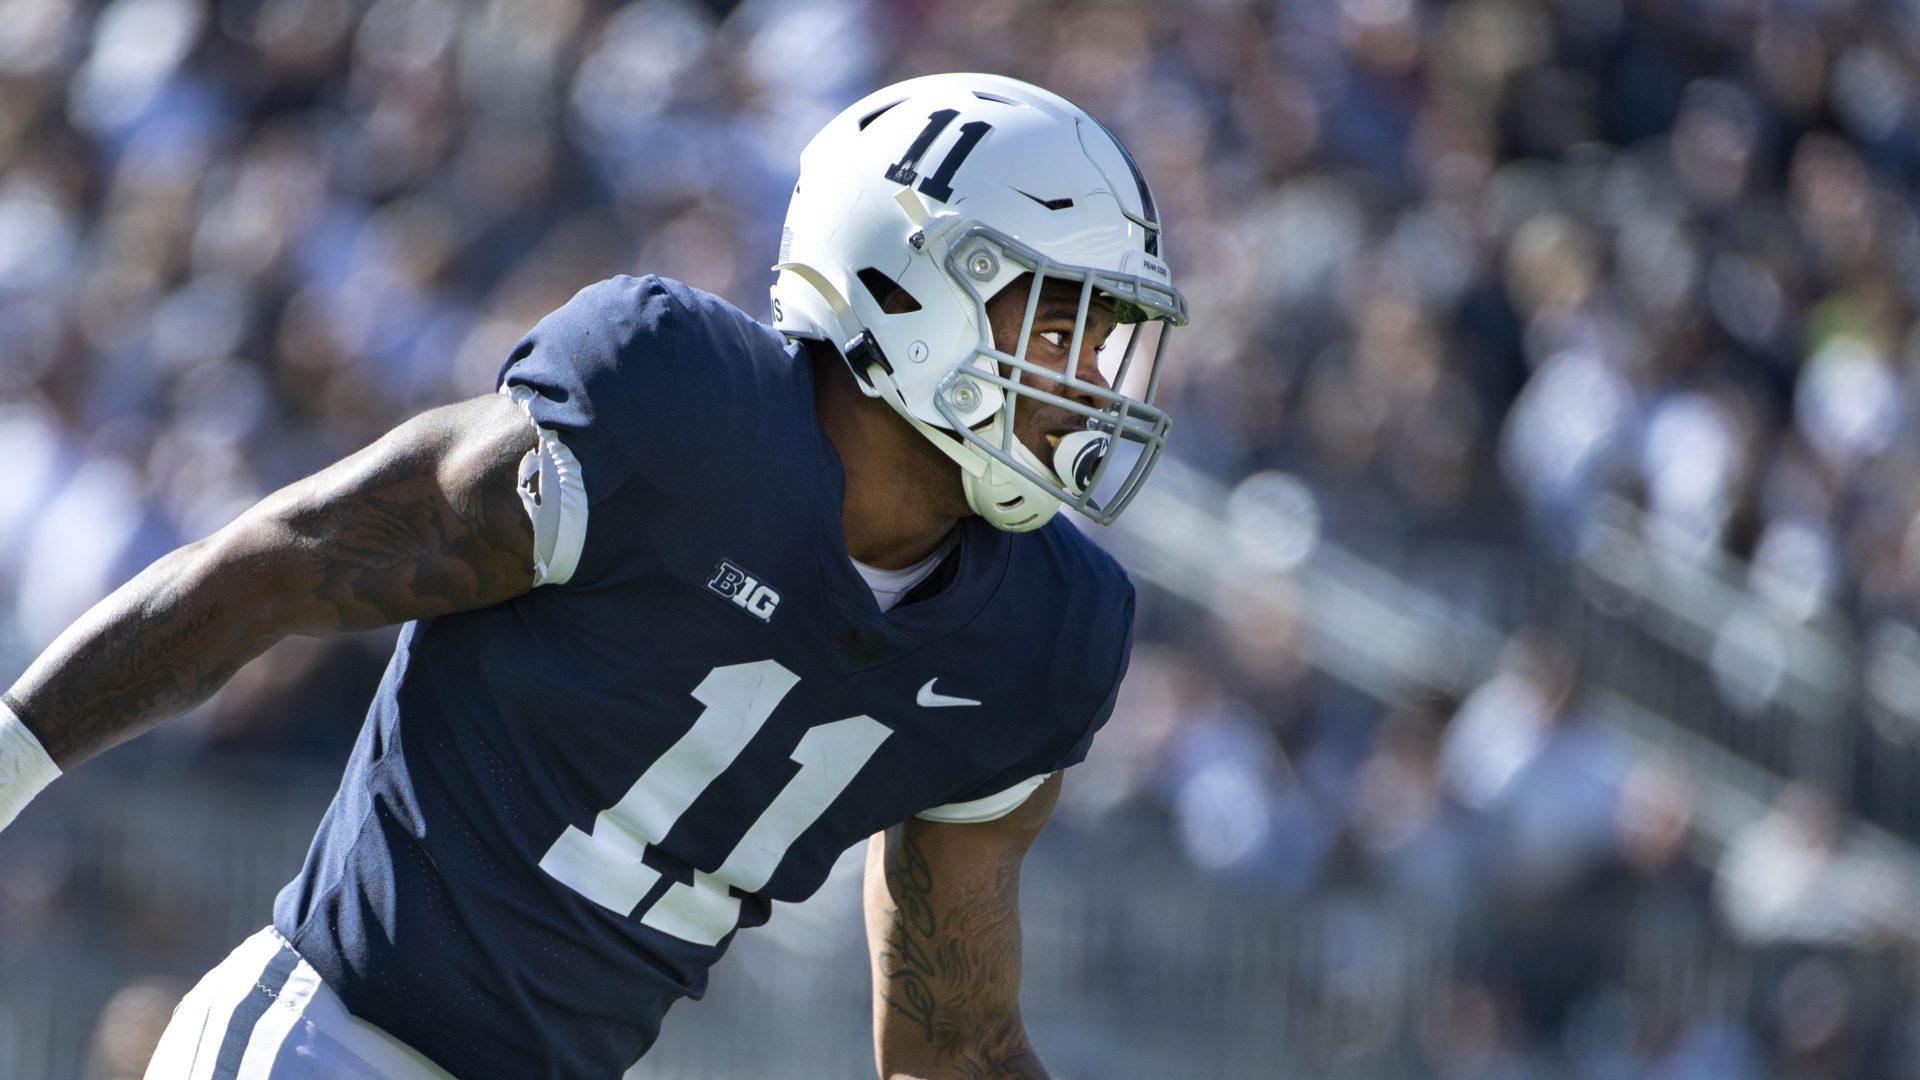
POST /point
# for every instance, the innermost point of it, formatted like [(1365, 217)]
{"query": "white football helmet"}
[(948, 188)]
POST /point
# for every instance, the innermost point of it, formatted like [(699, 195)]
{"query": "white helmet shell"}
[(949, 188)]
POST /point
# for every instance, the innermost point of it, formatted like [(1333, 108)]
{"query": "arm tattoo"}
[(954, 975), (424, 522), (395, 548)]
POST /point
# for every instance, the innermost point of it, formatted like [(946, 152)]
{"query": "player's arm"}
[(943, 934), (425, 521)]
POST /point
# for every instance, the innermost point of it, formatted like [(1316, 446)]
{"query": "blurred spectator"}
[(129, 1028), (1417, 840), (1791, 879)]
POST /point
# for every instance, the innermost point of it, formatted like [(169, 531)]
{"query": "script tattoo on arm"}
[(944, 937), (426, 521)]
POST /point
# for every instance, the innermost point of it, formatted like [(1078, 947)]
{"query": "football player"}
[(692, 605)]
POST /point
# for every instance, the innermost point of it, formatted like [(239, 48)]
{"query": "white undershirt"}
[(890, 585)]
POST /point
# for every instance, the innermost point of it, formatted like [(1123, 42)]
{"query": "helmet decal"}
[(939, 186)]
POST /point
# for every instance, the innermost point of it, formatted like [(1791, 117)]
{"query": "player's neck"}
[(902, 495)]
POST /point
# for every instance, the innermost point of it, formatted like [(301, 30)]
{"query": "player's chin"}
[(1042, 432), (1040, 442)]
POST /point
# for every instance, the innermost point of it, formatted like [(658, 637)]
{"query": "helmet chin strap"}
[(1007, 500), (1010, 502)]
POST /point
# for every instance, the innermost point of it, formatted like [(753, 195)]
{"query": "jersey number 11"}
[(606, 866)]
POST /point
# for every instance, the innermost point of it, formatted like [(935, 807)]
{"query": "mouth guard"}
[(1076, 456)]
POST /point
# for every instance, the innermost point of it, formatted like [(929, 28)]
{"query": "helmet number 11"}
[(940, 185)]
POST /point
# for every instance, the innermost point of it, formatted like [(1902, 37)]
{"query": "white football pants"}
[(263, 1014)]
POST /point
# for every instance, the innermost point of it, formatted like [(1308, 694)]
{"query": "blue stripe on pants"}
[(247, 1014)]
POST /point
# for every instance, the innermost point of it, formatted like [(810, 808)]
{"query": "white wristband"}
[(25, 767)]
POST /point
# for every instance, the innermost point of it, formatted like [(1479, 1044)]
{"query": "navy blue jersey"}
[(560, 808)]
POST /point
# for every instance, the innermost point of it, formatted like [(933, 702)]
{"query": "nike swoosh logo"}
[(928, 699)]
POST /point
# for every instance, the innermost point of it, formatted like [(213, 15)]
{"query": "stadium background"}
[(1529, 657)]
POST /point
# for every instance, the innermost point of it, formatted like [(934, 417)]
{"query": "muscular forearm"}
[(423, 522), (1003, 1054), (946, 964), (1000, 1051), (157, 646)]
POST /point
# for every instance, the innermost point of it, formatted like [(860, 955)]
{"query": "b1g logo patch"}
[(745, 590)]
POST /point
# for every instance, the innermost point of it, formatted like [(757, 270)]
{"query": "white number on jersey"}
[(605, 865)]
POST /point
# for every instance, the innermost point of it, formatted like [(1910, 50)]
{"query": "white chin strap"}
[(1010, 502), (1027, 505), (1007, 500)]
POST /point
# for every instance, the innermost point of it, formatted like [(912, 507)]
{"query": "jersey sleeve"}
[(605, 374), (609, 381), (986, 808), (554, 494)]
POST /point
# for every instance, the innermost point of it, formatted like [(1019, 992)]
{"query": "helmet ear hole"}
[(887, 292), (876, 114)]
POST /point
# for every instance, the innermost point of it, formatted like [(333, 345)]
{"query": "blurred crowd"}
[(1479, 270), (1593, 930)]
